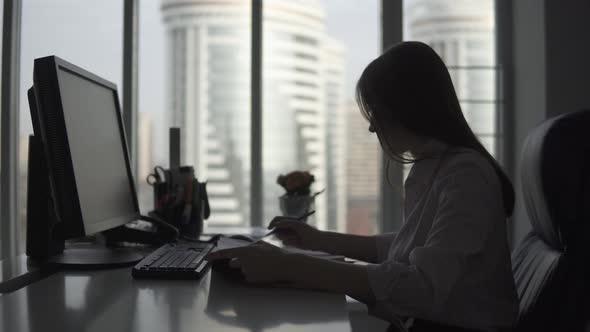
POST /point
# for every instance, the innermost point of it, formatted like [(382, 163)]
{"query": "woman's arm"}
[(365, 248), (359, 247), (317, 273), (264, 263)]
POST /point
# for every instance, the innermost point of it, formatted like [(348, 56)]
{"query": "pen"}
[(297, 219)]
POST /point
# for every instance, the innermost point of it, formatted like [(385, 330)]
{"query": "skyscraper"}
[(363, 173), (208, 55), (145, 161), (209, 98), (336, 135)]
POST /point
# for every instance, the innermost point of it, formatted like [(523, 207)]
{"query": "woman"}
[(448, 268)]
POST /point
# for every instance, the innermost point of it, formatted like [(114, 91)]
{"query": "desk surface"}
[(110, 300)]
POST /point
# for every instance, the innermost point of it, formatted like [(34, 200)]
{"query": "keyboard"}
[(174, 261)]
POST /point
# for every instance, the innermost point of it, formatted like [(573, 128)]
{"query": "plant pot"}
[(296, 206)]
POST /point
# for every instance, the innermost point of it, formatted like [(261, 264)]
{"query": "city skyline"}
[(362, 42), (303, 77)]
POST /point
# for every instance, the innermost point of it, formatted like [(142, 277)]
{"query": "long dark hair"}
[(410, 86)]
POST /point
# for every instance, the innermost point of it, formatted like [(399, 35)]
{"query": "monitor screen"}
[(97, 150)]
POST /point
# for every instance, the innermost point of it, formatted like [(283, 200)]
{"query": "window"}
[(194, 73), (312, 58), (463, 34), (86, 33)]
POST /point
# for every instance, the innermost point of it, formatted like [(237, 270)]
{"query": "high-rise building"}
[(23, 156), (294, 108), (145, 161), (363, 173), (209, 84), (462, 33), (209, 98), (304, 92), (336, 134)]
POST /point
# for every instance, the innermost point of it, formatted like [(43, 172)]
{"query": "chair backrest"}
[(549, 264)]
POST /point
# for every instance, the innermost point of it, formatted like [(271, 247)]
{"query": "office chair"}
[(549, 265)]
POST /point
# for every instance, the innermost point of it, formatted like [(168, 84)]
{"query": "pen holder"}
[(180, 199)]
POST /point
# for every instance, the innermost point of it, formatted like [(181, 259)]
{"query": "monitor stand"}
[(95, 256)]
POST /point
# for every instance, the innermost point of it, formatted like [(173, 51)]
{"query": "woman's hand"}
[(260, 262), (296, 233)]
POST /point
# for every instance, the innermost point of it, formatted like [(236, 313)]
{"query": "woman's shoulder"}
[(470, 177), (467, 164)]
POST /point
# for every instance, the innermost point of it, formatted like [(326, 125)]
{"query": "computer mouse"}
[(242, 237), (222, 267)]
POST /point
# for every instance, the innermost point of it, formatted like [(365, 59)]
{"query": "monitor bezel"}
[(68, 208)]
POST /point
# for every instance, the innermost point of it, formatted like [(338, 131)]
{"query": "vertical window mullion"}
[(505, 118), (256, 194), (504, 84), (130, 77), (10, 128), (391, 202)]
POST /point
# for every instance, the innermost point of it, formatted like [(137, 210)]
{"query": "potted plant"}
[(298, 199)]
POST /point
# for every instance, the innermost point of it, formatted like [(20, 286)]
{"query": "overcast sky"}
[(85, 32)]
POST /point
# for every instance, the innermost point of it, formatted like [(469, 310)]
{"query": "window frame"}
[(391, 200), (9, 224), (131, 78)]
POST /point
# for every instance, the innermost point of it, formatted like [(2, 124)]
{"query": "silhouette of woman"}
[(448, 268)]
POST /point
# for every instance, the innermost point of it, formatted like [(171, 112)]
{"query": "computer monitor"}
[(77, 119)]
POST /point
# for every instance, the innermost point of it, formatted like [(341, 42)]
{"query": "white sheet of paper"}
[(225, 242)]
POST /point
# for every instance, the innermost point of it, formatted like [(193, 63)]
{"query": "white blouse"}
[(450, 261)]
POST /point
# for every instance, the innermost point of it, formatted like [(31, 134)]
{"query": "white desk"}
[(111, 301)]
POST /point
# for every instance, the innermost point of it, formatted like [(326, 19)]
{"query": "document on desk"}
[(318, 254), (225, 242), (229, 243)]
